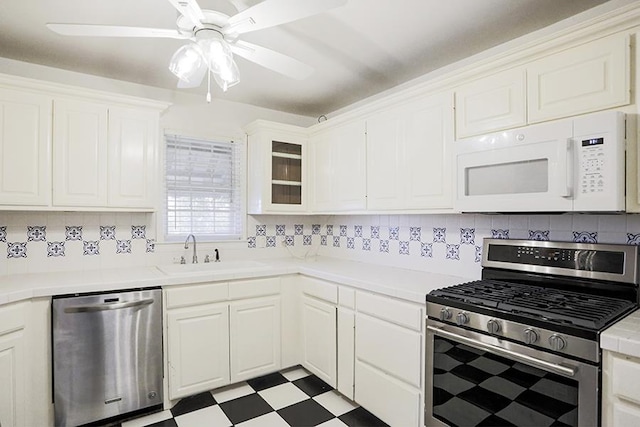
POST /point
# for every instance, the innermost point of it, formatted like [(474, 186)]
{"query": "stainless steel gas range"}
[(521, 346)]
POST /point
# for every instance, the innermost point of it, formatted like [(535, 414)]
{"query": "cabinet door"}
[(491, 103), (198, 349), (12, 378), (133, 140), (590, 77), (346, 352), (340, 168), (79, 153), (25, 139), (255, 338), (319, 339)]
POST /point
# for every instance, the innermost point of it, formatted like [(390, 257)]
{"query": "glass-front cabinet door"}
[(277, 168)]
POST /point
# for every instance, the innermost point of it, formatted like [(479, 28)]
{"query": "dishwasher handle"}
[(108, 306)]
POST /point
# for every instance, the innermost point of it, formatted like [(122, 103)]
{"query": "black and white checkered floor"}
[(288, 398)]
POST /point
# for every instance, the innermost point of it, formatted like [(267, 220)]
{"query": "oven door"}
[(474, 379)]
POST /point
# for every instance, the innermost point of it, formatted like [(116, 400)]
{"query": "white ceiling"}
[(357, 50)]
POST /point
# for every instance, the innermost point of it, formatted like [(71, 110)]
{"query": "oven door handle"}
[(547, 366)]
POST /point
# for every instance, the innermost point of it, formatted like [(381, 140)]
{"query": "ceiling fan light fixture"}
[(186, 62), (219, 58), (228, 76)]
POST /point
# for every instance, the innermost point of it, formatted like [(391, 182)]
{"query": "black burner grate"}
[(548, 304)]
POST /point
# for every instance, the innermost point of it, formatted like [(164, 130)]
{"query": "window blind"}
[(203, 189)]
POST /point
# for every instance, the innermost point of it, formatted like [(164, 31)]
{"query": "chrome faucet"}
[(186, 246)]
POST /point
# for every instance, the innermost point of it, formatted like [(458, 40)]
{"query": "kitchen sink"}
[(211, 267)]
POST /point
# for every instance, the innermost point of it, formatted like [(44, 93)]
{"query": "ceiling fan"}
[(214, 37)]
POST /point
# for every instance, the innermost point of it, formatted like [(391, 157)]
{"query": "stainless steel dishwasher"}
[(107, 355)]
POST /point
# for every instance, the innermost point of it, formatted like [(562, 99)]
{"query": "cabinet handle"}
[(108, 306)]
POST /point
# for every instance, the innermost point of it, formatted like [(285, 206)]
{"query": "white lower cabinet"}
[(319, 339), (620, 390), (12, 378)]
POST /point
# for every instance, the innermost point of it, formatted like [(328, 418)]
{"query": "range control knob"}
[(445, 314), (462, 318), (493, 326), (557, 342), (530, 336)]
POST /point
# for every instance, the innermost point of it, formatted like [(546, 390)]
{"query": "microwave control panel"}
[(592, 157)]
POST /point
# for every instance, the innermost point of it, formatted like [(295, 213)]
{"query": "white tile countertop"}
[(624, 336), (410, 285)]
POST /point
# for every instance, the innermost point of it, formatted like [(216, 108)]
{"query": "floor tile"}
[(267, 381), (335, 402), (245, 408), (360, 417), (295, 373), (312, 385), (283, 395), (231, 392), (149, 419), (211, 416), (192, 403), (306, 413), (272, 419), (171, 422), (333, 423)]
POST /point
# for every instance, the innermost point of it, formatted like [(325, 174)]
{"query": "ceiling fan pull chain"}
[(209, 86)]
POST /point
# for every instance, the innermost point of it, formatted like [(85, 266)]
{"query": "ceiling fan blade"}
[(190, 10), (113, 31), (270, 13), (272, 60)]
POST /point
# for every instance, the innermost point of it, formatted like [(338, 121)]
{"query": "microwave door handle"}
[(567, 164)]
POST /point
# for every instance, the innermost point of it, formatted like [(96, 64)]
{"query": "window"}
[(204, 191)]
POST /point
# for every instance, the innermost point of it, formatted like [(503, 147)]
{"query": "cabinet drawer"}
[(320, 289), (399, 312), (390, 348), (347, 297), (254, 288), (625, 377), (205, 293), (12, 317)]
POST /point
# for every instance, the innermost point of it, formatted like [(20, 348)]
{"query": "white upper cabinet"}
[(132, 160), (79, 153), (408, 156), (25, 141), (492, 103), (339, 168), (277, 168), (586, 78)]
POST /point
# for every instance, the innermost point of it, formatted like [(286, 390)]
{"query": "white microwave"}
[(567, 165)]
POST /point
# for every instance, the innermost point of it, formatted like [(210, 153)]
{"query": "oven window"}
[(508, 178), (472, 387)]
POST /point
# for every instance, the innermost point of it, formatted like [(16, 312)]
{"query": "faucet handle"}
[(206, 258), (182, 260)]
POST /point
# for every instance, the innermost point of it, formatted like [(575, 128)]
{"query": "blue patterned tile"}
[(453, 252), (3, 233), (403, 248), (315, 228), (298, 229), (151, 245), (499, 234), (251, 242), (467, 236), (323, 240), (261, 230), (415, 234), (439, 235), (123, 246), (366, 244), (357, 231), (289, 241), (16, 249), (280, 230), (329, 230), (36, 233), (73, 232), (271, 241), (107, 232), (375, 231), (394, 233), (426, 250), (384, 246), (585, 237), (540, 235), (138, 231), (91, 247), (633, 239), (478, 254), (55, 249), (351, 244), (307, 240), (343, 230), (336, 241)]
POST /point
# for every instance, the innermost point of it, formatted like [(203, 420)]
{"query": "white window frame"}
[(240, 175)]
